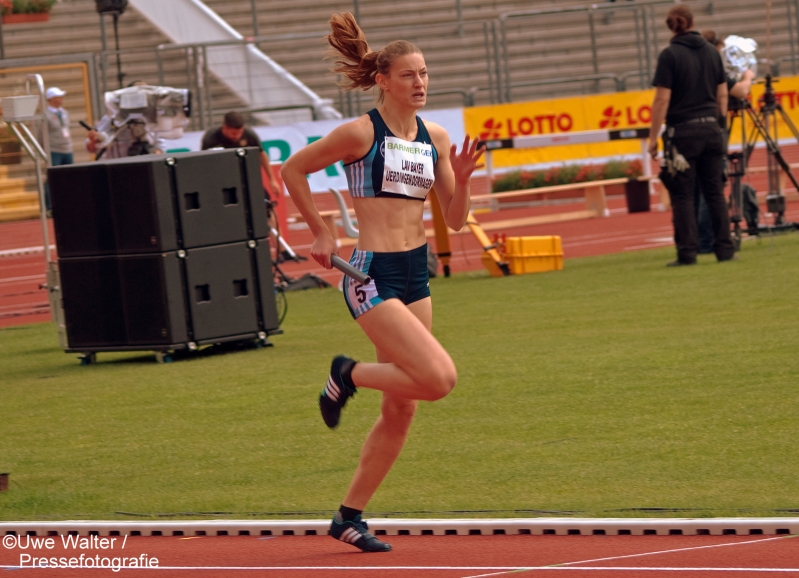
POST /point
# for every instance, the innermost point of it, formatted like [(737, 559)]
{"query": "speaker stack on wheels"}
[(164, 252)]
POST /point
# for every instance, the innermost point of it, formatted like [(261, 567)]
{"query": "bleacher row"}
[(538, 47), (455, 50)]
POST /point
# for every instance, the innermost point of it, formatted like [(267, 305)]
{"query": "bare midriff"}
[(388, 225)]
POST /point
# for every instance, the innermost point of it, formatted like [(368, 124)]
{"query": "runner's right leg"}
[(381, 448)]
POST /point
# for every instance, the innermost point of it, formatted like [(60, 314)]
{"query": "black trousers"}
[(703, 146)]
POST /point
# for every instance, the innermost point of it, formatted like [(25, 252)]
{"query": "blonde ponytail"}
[(353, 59)]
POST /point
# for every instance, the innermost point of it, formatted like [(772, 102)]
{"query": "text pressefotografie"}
[(72, 543), (116, 563)]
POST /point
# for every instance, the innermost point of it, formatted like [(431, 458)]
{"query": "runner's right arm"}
[(343, 143)]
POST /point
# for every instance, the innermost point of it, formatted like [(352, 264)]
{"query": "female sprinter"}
[(392, 158)]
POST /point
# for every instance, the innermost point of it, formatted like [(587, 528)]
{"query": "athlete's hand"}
[(274, 188), (322, 248), (465, 163), (92, 138)]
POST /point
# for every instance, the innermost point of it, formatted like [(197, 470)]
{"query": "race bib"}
[(408, 168)]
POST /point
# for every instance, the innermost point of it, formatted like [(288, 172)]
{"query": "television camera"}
[(141, 115), (738, 55)]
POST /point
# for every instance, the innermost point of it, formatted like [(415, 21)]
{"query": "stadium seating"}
[(539, 48)]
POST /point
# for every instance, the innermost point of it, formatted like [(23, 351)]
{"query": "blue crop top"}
[(394, 167)]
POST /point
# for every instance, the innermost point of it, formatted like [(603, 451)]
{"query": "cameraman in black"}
[(691, 96), (738, 87)]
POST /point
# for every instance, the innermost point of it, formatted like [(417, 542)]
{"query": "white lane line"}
[(24, 251), (678, 550), (657, 552), (506, 569), (23, 306), (306, 568), (23, 279), (603, 237), (21, 314), (652, 245), (638, 569)]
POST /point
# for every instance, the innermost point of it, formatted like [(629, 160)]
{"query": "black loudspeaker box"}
[(228, 293), (123, 300), (168, 300), (158, 203), (81, 198)]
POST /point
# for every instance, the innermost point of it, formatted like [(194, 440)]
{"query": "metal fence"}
[(520, 55), (598, 33), (508, 46), (630, 27)]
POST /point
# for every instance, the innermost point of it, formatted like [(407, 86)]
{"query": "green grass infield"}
[(616, 387)]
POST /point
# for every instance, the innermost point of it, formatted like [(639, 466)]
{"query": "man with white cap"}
[(58, 129), (58, 125)]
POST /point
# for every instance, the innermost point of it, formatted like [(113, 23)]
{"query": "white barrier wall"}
[(280, 142)]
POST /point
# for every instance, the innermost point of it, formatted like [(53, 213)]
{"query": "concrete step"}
[(19, 214), (8, 186), (17, 170), (19, 200)]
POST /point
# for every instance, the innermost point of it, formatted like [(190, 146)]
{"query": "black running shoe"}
[(336, 393), (356, 532)]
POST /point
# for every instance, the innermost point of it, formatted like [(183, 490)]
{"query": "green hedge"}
[(566, 174), (26, 6)]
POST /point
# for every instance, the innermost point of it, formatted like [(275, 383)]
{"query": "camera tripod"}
[(763, 124)]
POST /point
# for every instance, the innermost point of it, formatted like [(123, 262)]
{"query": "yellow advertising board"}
[(604, 111)]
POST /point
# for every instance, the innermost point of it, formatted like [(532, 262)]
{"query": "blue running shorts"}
[(401, 275)]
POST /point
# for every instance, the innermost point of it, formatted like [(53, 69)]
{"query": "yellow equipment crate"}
[(534, 254)]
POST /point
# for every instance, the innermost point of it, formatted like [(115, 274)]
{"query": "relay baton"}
[(349, 270)]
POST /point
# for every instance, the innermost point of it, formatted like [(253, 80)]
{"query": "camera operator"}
[(691, 96), (133, 139), (234, 134), (736, 88), (738, 91)]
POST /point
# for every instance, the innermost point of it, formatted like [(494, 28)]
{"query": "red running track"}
[(22, 263), (433, 556)]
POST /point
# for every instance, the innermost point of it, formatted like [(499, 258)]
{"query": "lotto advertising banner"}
[(606, 111), (618, 110), (281, 142)]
